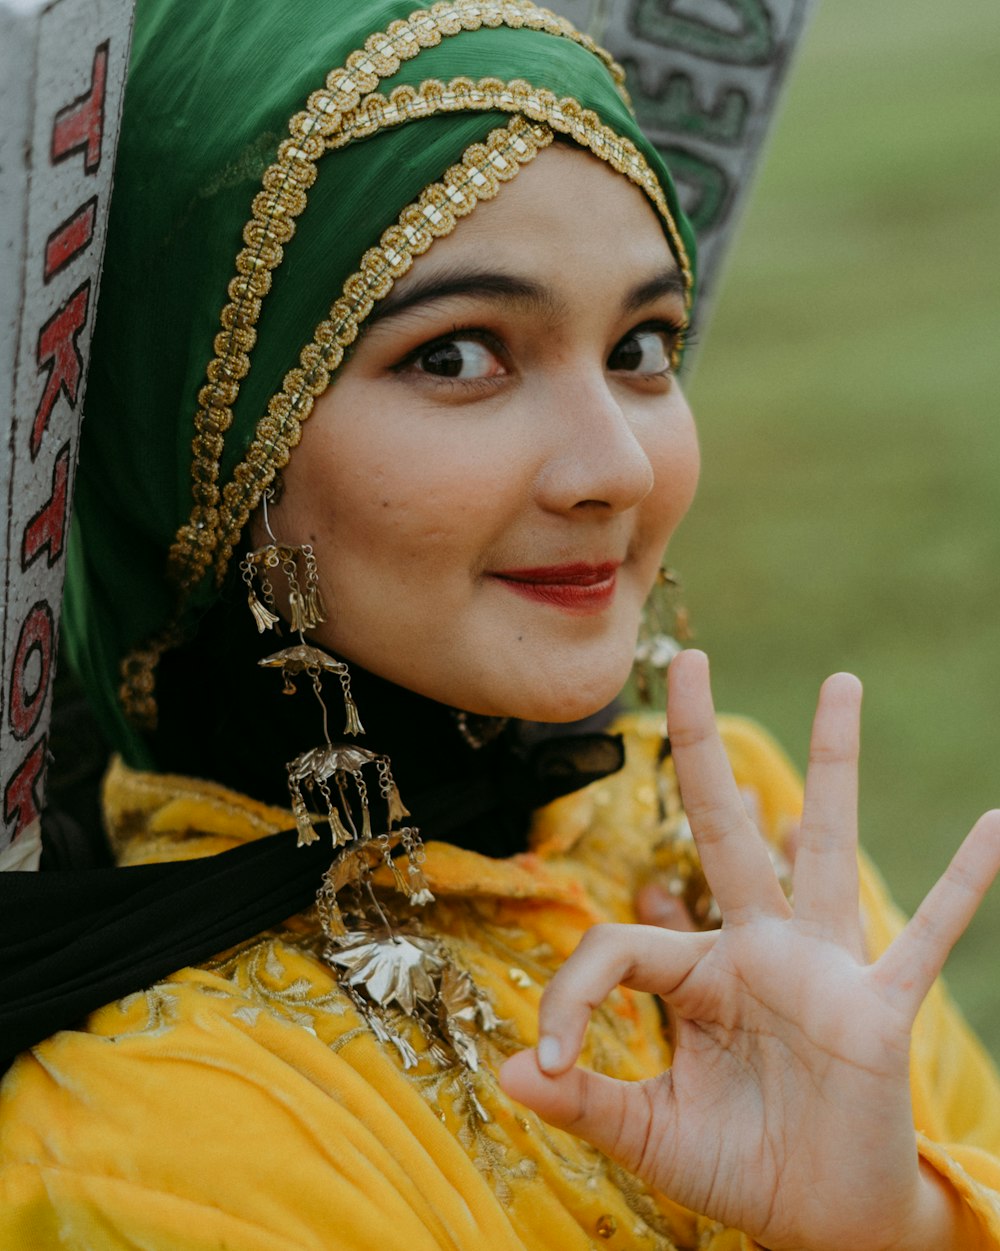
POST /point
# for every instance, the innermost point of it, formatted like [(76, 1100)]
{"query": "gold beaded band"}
[(566, 116)]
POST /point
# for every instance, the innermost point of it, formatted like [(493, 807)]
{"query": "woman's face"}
[(490, 482)]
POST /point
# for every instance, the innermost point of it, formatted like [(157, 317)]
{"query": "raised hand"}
[(786, 1112)]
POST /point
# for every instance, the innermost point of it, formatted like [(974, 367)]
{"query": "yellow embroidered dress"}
[(245, 1106)]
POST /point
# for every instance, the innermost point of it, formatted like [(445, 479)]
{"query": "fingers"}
[(914, 960), (615, 1116), (733, 854), (655, 905), (826, 864), (637, 956)]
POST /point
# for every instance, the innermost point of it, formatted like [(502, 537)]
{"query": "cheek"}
[(404, 514), (676, 462)]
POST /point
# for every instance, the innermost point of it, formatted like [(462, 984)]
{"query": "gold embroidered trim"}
[(283, 199), (484, 166), (567, 116), (137, 690)]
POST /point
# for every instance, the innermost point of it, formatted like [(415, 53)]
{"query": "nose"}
[(596, 458)]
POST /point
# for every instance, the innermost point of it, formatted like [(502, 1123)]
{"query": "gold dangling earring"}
[(256, 564), (298, 564), (664, 629), (315, 768), (389, 969)]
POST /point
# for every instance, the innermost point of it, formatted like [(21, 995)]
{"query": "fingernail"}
[(548, 1052)]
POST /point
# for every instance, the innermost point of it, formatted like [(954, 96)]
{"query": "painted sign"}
[(62, 74), (704, 77)]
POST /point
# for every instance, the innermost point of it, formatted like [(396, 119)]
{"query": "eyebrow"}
[(667, 282), (511, 289)]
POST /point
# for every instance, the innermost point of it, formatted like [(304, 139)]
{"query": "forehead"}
[(566, 213)]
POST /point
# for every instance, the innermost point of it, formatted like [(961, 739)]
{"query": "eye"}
[(460, 356), (645, 351)]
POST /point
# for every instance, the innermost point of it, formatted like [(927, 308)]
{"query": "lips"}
[(578, 588)]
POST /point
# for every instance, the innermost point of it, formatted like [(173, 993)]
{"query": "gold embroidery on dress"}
[(161, 1003), (262, 973), (256, 969), (280, 975), (496, 1157)]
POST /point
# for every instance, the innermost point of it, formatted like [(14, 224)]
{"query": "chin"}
[(560, 697), (554, 677)]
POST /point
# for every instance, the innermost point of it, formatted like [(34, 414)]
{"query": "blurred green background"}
[(847, 396)]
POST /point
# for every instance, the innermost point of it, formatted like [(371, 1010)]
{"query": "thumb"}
[(614, 1116)]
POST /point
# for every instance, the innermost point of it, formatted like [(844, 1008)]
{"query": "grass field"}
[(848, 395)]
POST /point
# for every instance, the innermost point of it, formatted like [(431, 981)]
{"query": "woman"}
[(440, 445)]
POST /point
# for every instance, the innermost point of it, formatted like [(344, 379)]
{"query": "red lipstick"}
[(577, 588)]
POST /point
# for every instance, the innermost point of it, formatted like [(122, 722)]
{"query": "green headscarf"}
[(207, 172)]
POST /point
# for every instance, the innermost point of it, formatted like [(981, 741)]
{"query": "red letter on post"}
[(79, 127), (36, 637), (46, 531), (58, 350), (70, 239), (20, 799)]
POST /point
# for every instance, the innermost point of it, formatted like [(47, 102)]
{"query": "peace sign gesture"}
[(786, 1112)]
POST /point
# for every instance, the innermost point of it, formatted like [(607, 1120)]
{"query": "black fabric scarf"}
[(75, 938)]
